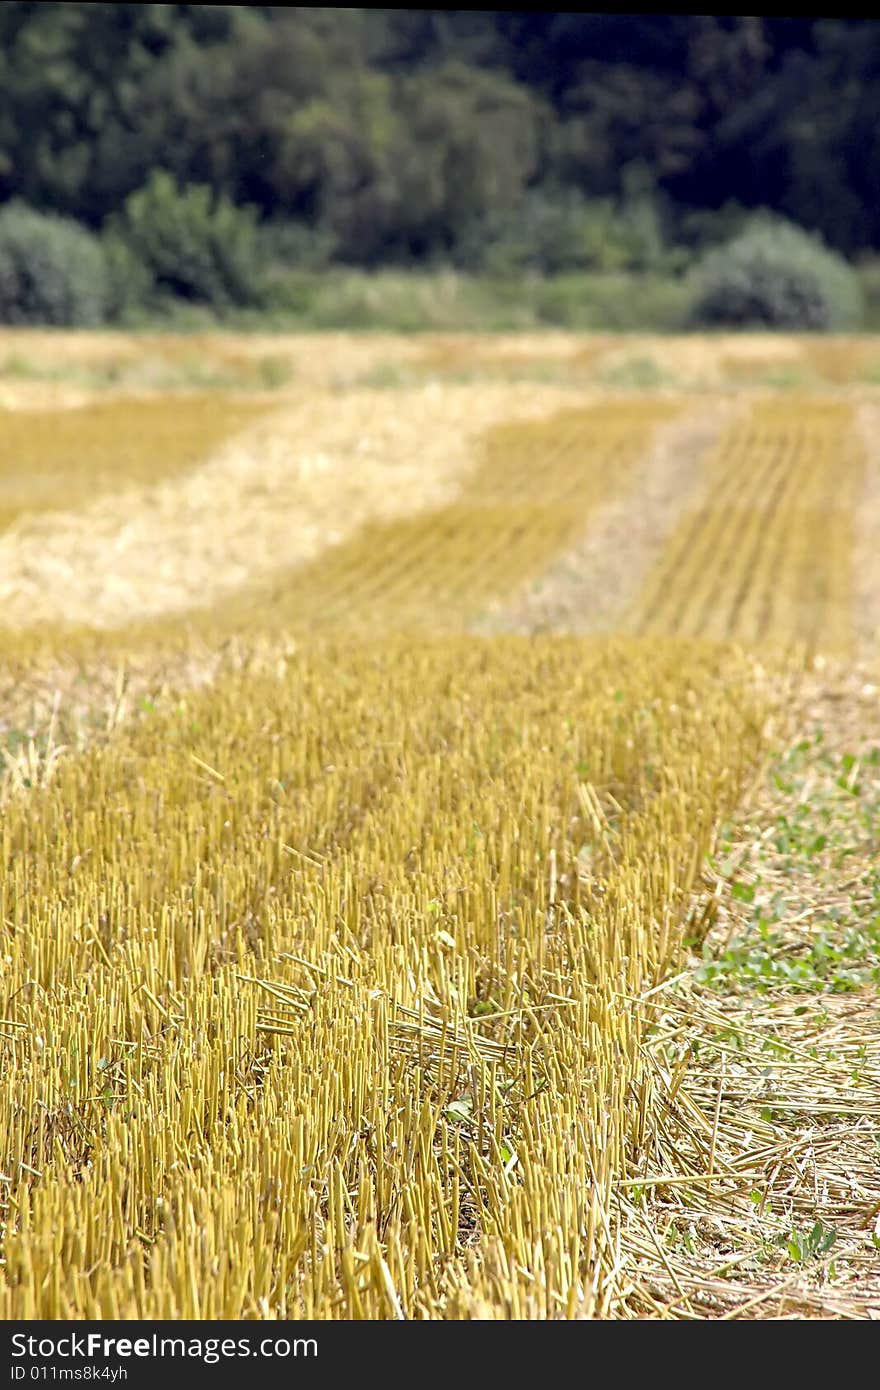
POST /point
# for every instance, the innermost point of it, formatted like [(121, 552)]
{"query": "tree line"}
[(378, 136)]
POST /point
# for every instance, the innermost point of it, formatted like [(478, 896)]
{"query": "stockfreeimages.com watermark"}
[(92, 1345)]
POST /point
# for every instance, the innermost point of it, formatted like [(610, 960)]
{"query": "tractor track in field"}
[(589, 588)]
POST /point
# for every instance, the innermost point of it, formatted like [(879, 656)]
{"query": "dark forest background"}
[(494, 142)]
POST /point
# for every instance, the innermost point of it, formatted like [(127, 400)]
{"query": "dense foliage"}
[(190, 243), (775, 275), (52, 271), (395, 135)]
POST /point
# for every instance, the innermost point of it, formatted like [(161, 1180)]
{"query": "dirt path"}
[(590, 588)]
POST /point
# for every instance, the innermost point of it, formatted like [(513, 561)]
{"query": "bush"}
[(292, 243), (52, 271), (610, 303), (193, 245), (700, 230), (776, 275), (130, 286), (868, 273), (555, 231)]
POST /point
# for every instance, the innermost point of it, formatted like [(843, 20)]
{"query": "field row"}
[(61, 460), (314, 995), (532, 494), (766, 556)]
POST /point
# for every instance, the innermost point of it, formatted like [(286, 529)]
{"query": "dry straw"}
[(344, 955), (314, 1000)]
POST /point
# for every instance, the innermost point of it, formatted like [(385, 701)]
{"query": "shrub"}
[(776, 275), (130, 286), (603, 303), (52, 271), (194, 245), (293, 243), (555, 231), (700, 230), (869, 281)]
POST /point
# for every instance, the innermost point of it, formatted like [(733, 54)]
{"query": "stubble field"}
[(439, 827)]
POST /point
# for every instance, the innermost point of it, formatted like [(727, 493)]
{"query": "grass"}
[(771, 1033), (197, 370), (798, 931), (394, 376), (446, 300), (640, 373), (397, 301)]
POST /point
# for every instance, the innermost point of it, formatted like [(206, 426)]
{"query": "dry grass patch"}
[(52, 463)]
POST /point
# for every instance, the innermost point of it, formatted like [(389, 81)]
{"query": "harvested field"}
[(440, 815), (767, 553)]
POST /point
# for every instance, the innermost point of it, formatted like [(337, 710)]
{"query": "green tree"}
[(193, 244)]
